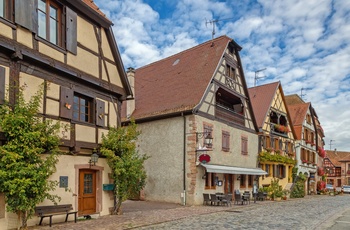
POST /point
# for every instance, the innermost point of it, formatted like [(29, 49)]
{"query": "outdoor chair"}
[(246, 196), (206, 199), (238, 198), (214, 199), (261, 196), (227, 200)]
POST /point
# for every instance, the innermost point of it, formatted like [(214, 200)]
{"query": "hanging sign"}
[(204, 158)]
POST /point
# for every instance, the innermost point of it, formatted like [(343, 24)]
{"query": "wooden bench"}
[(52, 210)]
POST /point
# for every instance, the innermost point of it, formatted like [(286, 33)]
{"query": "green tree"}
[(24, 169), (119, 146)]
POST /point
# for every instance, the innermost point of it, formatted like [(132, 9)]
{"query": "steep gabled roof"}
[(177, 83), (261, 98), (336, 157), (298, 114)]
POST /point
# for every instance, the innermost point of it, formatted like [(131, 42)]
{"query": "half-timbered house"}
[(196, 123), (276, 136), (69, 47), (304, 124)]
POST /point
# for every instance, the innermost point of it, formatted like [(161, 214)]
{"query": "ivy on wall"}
[(265, 156)]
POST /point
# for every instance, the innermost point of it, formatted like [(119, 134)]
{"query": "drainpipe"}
[(184, 163)]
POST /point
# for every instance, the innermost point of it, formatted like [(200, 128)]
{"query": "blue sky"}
[(303, 44)]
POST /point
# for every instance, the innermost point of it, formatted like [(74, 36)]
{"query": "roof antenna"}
[(213, 21), (256, 75), (301, 93)]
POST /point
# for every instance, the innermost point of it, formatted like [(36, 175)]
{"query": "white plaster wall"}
[(163, 141)]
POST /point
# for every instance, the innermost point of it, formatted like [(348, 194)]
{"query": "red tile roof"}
[(177, 83), (336, 157), (261, 98), (298, 114), (92, 5)]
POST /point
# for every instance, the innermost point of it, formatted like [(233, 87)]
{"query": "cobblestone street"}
[(311, 212)]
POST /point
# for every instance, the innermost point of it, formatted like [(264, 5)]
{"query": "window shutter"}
[(66, 102), (275, 171), (26, 14), (71, 33), (2, 85), (100, 113)]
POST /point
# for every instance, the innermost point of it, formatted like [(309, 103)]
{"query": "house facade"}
[(69, 47), (337, 168), (302, 114), (276, 134), (183, 101)]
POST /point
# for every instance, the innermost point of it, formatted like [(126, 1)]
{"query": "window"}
[(225, 141), (230, 72), (242, 181), (79, 107), (6, 9), (267, 169), (210, 180), (82, 108), (244, 147), (250, 180), (49, 21)]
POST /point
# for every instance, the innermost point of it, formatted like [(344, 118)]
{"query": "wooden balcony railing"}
[(229, 115)]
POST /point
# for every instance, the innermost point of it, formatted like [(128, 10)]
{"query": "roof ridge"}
[(184, 51)]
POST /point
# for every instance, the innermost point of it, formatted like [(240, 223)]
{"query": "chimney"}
[(130, 104)]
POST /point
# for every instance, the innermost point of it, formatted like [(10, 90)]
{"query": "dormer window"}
[(49, 21)]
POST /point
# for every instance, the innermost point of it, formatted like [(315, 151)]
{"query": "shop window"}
[(210, 180), (250, 180), (242, 181)]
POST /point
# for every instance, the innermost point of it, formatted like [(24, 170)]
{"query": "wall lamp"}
[(208, 139), (239, 177), (93, 160)]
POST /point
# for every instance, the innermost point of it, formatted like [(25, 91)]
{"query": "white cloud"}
[(303, 44)]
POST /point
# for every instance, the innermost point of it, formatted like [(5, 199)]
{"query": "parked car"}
[(346, 188), (329, 187)]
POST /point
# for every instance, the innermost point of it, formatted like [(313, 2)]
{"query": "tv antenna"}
[(256, 75), (330, 144), (213, 22), (301, 93)]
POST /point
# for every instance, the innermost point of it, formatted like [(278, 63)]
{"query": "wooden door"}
[(87, 192)]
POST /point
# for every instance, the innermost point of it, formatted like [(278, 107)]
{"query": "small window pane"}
[(53, 12), (2, 8), (88, 184), (53, 31), (42, 5), (42, 26)]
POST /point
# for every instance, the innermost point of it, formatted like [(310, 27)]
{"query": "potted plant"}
[(285, 194)]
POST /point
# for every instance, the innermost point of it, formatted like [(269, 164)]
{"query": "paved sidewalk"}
[(144, 213), (311, 212)]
